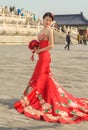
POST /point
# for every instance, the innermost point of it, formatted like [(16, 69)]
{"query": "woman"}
[(44, 97)]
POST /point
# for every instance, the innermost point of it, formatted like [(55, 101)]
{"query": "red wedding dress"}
[(44, 98)]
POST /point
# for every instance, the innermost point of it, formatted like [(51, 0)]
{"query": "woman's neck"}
[(46, 27)]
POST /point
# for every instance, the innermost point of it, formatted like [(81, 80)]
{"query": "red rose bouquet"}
[(33, 45)]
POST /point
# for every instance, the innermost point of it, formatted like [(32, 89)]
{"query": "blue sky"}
[(39, 7)]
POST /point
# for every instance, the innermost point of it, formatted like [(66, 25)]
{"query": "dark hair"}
[(49, 14)]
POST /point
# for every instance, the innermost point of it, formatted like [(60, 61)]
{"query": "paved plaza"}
[(70, 68)]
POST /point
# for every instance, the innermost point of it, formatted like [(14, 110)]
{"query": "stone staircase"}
[(14, 30)]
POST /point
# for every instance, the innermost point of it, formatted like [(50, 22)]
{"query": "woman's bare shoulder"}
[(50, 30)]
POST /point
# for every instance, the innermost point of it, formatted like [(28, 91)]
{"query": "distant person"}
[(79, 39), (34, 17), (68, 40), (85, 39), (6, 10), (11, 8), (19, 11)]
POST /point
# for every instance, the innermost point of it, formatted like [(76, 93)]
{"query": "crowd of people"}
[(17, 11), (82, 39), (11, 9)]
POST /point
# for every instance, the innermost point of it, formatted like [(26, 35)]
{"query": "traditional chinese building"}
[(73, 20)]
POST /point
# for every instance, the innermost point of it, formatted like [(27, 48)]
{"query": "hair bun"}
[(49, 14)]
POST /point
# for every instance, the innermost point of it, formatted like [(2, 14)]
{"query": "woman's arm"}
[(51, 42)]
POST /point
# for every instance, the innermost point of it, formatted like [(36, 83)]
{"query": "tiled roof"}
[(71, 19)]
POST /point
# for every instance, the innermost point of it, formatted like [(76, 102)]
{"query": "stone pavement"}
[(70, 68)]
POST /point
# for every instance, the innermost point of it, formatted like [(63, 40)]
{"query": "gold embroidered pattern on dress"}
[(25, 101), (45, 106), (33, 111), (42, 37)]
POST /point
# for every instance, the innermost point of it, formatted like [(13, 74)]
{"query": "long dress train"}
[(45, 98)]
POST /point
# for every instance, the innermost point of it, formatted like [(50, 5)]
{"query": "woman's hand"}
[(37, 51), (33, 50)]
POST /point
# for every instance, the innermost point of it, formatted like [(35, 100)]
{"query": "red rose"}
[(33, 44)]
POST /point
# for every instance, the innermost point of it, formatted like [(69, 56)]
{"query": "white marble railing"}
[(19, 28), (9, 18), (15, 24)]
